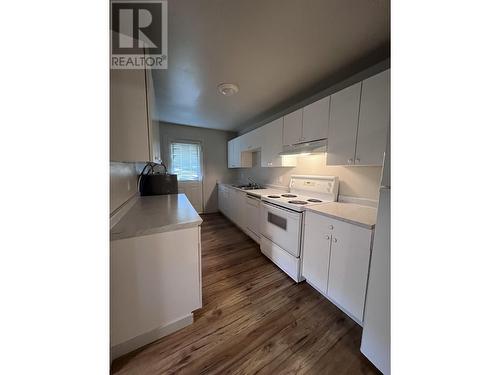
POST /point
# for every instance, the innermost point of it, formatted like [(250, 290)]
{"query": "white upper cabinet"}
[(359, 122), (292, 127), (154, 124), (236, 158), (315, 120), (271, 137), (307, 124), (344, 114), (374, 117), (134, 126), (251, 140), (129, 116), (230, 159)]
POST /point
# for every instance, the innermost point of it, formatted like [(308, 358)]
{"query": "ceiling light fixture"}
[(228, 89)]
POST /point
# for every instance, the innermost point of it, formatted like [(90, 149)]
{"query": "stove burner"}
[(314, 200), (297, 202), (273, 196), (289, 195)]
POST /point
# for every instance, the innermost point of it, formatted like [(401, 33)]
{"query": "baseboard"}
[(148, 337)]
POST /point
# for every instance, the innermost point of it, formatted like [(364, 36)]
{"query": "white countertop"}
[(363, 216), (156, 214)]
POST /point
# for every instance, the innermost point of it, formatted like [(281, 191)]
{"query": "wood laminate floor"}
[(254, 320)]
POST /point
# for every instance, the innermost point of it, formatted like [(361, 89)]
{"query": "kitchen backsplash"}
[(358, 182)]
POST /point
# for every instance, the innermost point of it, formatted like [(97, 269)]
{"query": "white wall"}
[(359, 182), (122, 184), (214, 148)]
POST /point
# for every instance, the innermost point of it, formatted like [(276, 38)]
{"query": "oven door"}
[(281, 226)]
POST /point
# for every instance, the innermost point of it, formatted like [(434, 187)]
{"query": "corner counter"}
[(156, 214), (155, 265)]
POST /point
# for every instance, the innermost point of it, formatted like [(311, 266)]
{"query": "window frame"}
[(186, 141)]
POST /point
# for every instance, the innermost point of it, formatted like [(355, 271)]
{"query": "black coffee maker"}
[(153, 182)]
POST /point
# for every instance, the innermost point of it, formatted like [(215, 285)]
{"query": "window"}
[(185, 161)]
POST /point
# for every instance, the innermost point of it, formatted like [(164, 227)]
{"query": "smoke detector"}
[(228, 89)]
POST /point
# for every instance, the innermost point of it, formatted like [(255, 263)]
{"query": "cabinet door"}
[(292, 127), (128, 115), (316, 250), (374, 117), (272, 135), (230, 161), (344, 114), (348, 273), (153, 122), (237, 152), (222, 199), (315, 121), (252, 140)]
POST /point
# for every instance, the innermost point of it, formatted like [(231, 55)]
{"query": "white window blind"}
[(185, 161)]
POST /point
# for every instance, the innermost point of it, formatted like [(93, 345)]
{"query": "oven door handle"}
[(273, 206)]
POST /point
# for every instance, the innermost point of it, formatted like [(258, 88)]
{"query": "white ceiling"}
[(277, 51)]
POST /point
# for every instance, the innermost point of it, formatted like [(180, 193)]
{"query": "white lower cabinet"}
[(336, 257), (316, 256), (223, 198), (233, 204)]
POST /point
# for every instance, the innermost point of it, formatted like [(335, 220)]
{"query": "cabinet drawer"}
[(288, 263)]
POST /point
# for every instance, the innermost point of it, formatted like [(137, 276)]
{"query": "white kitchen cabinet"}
[(223, 198), (336, 256), (292, 127), (348, 270), (230, 161), (271, 137), (252, 140), (134, 130), (315, 120), (237, 204), (235, 157), (232, 203), (374, 117), (359, 122), (316, 253), (307, 124), (344, 115), (153, 120), (156, 285)]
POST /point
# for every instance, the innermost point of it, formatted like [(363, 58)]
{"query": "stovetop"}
[(293, 201), (306, 191)]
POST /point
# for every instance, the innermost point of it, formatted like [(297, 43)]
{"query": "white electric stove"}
[(281, 219)]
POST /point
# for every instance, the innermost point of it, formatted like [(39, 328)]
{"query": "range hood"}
[(306, 148)]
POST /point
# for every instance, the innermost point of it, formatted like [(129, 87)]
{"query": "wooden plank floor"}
[(254, 320)]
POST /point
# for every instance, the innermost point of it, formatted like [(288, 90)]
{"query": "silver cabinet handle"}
[(334, 239), (331, 226), (327, 236)]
